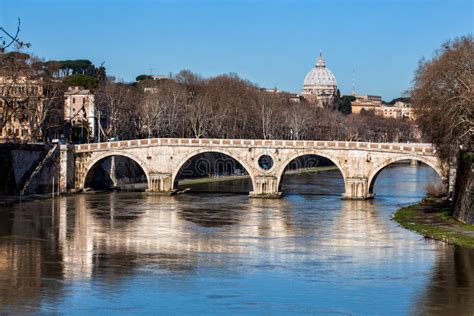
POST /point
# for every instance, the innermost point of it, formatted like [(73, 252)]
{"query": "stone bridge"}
[(162, 158)]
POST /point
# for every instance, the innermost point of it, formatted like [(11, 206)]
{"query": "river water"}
[(310, 252)]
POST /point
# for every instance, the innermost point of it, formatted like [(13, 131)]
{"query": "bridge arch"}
[(90, 165), (190, 155), (378, 168), (280, 172)]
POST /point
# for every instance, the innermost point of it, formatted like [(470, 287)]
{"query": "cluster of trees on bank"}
[(227, 106), (184, 105), (188, 105)]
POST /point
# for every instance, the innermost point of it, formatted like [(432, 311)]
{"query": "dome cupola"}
[(320, 75), (320, 85)]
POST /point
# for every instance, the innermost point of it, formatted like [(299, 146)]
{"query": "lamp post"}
[(98, 127)]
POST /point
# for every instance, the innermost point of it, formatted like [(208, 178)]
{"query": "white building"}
[(406, 110), (79, 108)]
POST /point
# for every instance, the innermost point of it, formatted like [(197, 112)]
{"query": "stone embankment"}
[(28, 169)]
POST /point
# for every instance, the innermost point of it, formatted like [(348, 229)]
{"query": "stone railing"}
[(419, 148)]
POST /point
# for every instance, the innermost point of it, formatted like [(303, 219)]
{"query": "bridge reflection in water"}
[(318, 242)]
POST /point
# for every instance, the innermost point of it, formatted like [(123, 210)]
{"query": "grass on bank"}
[(432, 218)]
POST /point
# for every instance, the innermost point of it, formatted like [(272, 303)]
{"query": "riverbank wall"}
[(464, 191), (35, 169), (28, 168)]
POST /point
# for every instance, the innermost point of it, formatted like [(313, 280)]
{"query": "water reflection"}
[(451, 286), (226, 252)]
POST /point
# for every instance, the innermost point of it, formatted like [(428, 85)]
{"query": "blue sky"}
[(271, 43)]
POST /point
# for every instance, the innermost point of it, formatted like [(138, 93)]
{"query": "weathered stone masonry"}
[(162, 158)]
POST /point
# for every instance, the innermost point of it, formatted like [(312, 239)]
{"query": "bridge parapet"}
[(419, 148)]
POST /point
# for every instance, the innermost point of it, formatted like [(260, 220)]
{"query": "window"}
[(73, 100)]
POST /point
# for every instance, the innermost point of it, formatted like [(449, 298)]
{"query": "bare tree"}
[(297, 120), (112, 100), (20, 95), (171, 100), (8, 39), (52, 101), (152, 114), (199, 117), (266, 102), (443, 96)]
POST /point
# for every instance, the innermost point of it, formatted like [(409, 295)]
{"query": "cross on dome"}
[(320, 62)]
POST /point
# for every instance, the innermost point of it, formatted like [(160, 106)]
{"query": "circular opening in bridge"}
[(213, 172), (116, 172), (408, 178), (312, 175), (265, 162)]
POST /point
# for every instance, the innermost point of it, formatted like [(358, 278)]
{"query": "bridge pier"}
[(266, 187), (160, 183), (66, 168), (357, 189)]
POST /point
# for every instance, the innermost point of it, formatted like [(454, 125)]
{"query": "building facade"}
[(366, 103), (389, 111), (320, 85), (291, 97), (79, 109), (374, 103), (406, 110), (21, 107)]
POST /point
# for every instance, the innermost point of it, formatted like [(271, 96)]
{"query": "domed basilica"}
[(320, 86)]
